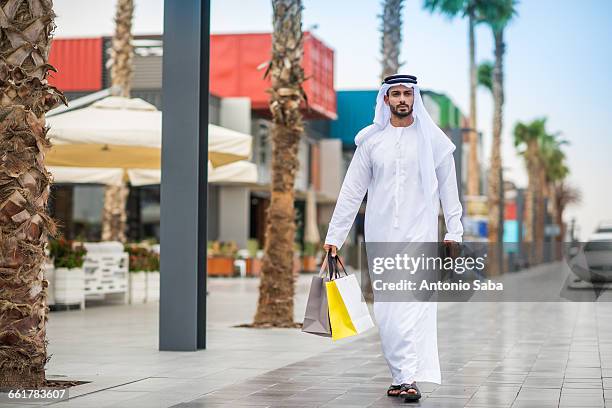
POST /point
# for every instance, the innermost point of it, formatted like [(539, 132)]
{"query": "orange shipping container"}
[(78, 62), (238, 63)]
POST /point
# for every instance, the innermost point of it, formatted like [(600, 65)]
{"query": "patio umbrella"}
[(116, 134), (237, 172)]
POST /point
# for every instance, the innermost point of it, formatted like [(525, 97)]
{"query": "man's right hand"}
[(328, 247)]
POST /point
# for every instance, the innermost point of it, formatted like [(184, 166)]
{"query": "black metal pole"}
[(203, 171), (182, 308)]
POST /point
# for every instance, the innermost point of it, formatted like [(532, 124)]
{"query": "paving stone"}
[(541, 382), (453, 391), (535, 404), (538, 394)]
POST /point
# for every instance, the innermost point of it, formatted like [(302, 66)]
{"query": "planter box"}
[(309, 264), (152, 286), (220, 266), (69, 286), (254, 266), (137, 287), (257, 266)]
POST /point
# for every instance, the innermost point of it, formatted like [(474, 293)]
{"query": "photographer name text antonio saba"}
[(408, 285)]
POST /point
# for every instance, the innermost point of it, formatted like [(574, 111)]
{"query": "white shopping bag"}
[(349, 290)]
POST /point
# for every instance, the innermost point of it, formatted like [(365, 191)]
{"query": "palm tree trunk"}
[(566, 195), (276, 290), (529, 200), (495, 193), (555, 216), (122, 51), (473, 164), (391, 36), (532, 198), (540, 213), (114, 216), (560, 208), (25, 39), (559, 217)]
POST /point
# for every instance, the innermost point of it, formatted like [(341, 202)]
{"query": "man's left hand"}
[(452, 248)]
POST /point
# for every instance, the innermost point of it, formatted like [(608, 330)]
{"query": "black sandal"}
[(394, 388), (410, 396)]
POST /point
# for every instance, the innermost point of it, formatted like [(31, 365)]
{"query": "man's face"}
[(400, 99)]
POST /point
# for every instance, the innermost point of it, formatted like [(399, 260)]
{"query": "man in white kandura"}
[(405, 163)]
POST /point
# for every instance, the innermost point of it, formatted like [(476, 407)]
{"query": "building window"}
[(88, 202), (143, 212)]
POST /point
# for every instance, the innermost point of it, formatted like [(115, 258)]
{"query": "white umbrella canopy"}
[(122, 133), (113, 120), (238, 172)]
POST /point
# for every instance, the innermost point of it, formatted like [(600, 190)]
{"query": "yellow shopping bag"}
[(341, 324)]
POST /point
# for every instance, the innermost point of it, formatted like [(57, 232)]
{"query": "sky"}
[(556, 65)]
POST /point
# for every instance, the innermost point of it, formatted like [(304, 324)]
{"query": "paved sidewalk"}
[(523, 355), (493, 355), (496, 355), (115, 348)]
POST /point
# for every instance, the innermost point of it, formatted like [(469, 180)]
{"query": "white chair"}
[(106, 270)]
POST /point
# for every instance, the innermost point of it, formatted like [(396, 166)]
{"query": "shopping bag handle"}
[(343, 269), (323, 265), (331, 261)]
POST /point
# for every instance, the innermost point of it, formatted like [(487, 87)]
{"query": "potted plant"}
[(254, 261), (153, 277), (137, 274), (144, 274), (220, 259), (309, 257), (69, 276)]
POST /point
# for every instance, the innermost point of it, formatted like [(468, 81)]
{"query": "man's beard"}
[(403, 113)]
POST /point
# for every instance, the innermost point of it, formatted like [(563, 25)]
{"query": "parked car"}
[(604, 227), (598, 256)]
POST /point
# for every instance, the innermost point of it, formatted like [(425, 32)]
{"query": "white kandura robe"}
[(386, 166)]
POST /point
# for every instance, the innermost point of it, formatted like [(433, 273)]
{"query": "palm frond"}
[(485, 75)]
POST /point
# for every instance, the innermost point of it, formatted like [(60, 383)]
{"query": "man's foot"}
[(394, 391), (410, 392)]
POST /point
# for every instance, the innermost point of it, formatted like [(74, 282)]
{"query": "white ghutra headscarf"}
[(433, 144)]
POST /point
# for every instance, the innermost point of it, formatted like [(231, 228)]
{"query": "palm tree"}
[(529, 136), (391, 27), (114, 216), (553, 170), (545, 162), (471, 9), (485, 75), (276, 290), (565, 195), (25, 38), (497, 14)]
